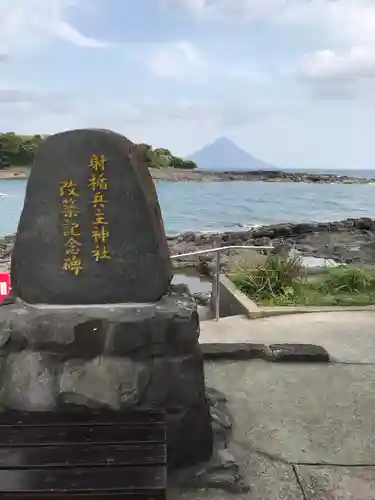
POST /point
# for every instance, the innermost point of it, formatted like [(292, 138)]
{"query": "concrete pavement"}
[(304, 432), (301, 431), (348, 336)]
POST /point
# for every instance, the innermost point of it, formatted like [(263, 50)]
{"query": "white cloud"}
[(339, 22), (179, 60), (350, 20), (15, 96), (346, 64), (191, 6), (18, 108), (240, 10), (355, 64), (25, 24), (184, 62), (246, 73), (342, 30)]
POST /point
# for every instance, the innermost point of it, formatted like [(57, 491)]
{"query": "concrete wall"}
[(232, 301)]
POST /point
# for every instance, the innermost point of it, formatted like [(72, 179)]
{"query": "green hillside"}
[(19, 151)]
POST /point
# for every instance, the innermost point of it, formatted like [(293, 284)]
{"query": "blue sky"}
[(290, 81)]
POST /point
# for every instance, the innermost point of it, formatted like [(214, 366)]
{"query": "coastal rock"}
[(202, 298), (262, 242), (237, 236), (188, 237), (173, 174), (70, 247), (303, 228), (349, 240), (364, 223)]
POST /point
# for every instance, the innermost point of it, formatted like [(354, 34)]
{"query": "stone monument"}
[(94, 321), (91, 229)]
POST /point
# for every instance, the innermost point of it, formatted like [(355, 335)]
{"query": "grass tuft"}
[(275, 280)]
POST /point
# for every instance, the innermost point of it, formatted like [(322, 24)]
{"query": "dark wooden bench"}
[(83, 456)]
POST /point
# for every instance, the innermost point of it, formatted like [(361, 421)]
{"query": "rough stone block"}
[(169, 327), (70, 247), (186, 380), (103, 382), (157, 391), (28, 381), (189, 436), (4, 333)]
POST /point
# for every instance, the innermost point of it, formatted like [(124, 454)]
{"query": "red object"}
[(4, 285)]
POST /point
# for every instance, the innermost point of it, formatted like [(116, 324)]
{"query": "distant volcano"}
[(223, 154)]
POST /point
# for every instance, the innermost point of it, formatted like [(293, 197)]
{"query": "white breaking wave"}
[(6, 195)]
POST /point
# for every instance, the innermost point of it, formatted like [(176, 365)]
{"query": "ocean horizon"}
[(228, 206)]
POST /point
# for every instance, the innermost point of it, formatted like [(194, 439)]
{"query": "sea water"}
[(232, 205)]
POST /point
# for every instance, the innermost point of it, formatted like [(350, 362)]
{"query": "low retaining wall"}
[(232, 301)]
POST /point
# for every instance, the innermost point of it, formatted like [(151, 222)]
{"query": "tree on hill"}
[(164, 152), (177, 162), (19, 150), (162, 158)]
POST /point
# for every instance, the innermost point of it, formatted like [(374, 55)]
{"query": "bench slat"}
[(64, 436), (82, 456), (106, 417), (145, 495), (83, 479)]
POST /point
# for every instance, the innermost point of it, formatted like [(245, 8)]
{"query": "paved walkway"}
[(347, 336), (301, 431)]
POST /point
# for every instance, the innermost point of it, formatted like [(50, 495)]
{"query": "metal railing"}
[(217, 251)]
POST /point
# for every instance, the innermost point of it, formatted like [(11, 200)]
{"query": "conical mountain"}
[(223, 154)]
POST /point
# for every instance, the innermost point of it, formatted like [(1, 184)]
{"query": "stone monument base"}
[(120, 357)]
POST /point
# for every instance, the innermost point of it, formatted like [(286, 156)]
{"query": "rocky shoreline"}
[(347, 241), (181, 175), (350, 241), (255, 176)]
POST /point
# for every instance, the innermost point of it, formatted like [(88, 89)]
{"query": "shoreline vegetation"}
[(17, 154), (282, 281)]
